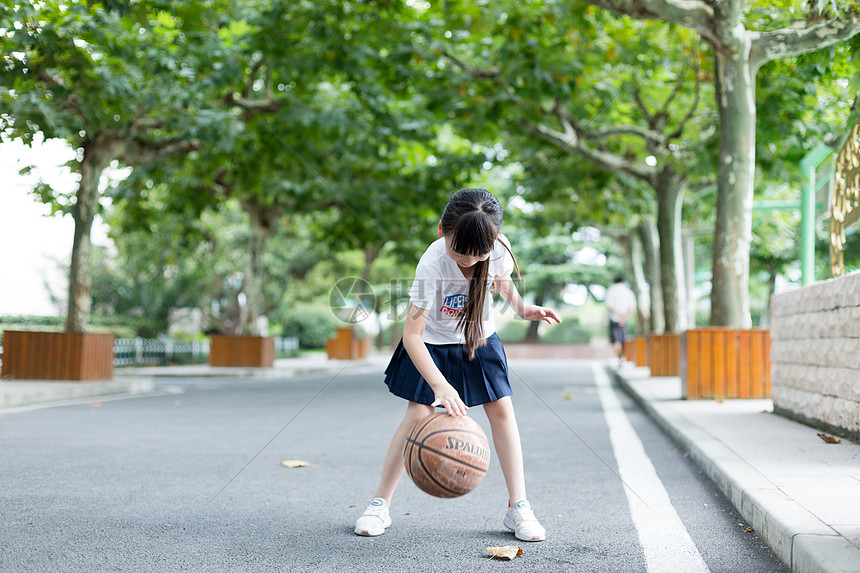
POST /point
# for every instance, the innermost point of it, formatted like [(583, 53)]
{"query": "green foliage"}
[(343, 126), (121, 326), (513, 331), (570, 331), (312, 325)]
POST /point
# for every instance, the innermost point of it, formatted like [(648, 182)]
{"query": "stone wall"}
[(815, 355)]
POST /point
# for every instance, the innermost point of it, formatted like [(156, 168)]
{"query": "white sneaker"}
[(522, 521), (374, 520)]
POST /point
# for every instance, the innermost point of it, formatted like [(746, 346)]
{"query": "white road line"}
[(664, 539)]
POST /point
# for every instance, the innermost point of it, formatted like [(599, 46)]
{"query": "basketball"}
[(447, 456)]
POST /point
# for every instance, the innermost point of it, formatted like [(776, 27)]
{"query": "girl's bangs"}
[(474, 236)]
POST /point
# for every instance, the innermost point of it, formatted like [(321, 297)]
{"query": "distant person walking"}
[(621, 302)]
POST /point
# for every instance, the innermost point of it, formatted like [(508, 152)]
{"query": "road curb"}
[(14, 394), (798, 537)]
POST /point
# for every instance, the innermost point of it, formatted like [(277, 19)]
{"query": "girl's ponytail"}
[(472, 319)]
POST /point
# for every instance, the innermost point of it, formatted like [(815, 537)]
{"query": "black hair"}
[(471, 222)]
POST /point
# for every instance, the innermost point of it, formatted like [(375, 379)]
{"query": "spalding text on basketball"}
[(462, 445)]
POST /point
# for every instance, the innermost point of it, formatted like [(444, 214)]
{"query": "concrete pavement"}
[(190, 478), (800, 493)]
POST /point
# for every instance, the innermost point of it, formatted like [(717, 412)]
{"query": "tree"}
[(117, 83), (541, 70), (739, 49), (183, 259)]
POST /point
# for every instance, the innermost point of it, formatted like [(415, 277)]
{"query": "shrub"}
[(311, 325), (570, 331), (513, 331)]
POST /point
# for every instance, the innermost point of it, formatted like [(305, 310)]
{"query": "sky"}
[(31, 243)]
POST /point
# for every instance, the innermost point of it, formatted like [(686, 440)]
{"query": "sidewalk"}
[(134, 381), (799, 493)]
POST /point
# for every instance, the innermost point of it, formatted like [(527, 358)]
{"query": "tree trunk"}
[(634, 264), (764, 321), (371, 253), (648, 233), (670, 191), (735, 94), (253, 280), (97, 155), (532, 332)]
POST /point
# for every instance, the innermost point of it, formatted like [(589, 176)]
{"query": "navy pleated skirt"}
[(478, 381)]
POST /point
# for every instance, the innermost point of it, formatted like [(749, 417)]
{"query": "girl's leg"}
[(506, 437), (392, 469), (519, 518)]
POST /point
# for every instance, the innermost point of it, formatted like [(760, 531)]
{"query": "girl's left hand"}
[(534, 312)]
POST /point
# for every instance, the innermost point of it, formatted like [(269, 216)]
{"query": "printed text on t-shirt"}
[(453, 305)]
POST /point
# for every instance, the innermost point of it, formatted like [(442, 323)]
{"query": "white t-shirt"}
[(620, 299), (440, 287)]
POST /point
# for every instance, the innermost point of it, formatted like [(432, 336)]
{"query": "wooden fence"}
[(665, 359), (242, 351), (636, 350), (57, 356), (725, 363), (346, 345)]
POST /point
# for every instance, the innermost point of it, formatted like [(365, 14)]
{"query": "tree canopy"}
[(323, 127)]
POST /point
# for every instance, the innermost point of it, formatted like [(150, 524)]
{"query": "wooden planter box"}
[(664, 357), (248, 351), (636, 350), (346, 345), (725, 363), (57, 356)]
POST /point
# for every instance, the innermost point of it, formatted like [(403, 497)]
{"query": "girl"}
[(450, 355)]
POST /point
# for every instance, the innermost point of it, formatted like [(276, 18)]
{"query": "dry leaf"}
[(505, 553), (829, 439), (294, 464), (567, 396), (749, 529)]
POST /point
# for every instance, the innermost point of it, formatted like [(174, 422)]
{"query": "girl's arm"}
[(446, 395), (508, 291)]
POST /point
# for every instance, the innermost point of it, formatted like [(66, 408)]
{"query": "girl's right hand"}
[(446, 396)]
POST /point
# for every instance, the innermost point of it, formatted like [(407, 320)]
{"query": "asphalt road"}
[(191, 480)]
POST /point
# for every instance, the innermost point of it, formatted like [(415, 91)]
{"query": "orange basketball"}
[(447, 456)]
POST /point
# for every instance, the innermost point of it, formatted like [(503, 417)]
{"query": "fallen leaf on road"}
[(829, 439), (567, 396), (294, 464), (505, 553), (749, 529)]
